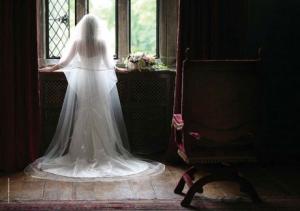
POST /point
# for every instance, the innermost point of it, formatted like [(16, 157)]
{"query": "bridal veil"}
[(90, 142)]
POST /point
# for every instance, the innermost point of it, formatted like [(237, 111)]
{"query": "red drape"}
[(211, 29), (19, 106)]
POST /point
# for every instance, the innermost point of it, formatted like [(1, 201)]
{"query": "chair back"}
[(220, 107)]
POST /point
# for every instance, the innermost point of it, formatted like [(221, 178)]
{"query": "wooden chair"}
[(218, 123)]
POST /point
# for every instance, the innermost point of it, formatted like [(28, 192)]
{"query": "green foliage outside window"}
[(143, 22), (143, 26), (105, 10)]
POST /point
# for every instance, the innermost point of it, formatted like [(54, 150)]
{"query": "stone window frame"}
[(167, 23)]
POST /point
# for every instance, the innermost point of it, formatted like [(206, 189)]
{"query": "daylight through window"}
[(106, 11), (143, 30), (142, 24)]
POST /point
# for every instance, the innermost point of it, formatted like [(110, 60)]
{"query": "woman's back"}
[(90, 142)]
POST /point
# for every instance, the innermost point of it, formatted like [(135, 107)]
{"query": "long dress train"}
[(90, 142)]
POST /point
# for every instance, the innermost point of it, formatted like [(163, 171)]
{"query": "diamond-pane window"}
[(138, 32), (58, 26)]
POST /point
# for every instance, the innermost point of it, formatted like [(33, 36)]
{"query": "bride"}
[(90, 142)]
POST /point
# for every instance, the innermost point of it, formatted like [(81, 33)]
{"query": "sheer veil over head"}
[(90, 38), (90, 142)]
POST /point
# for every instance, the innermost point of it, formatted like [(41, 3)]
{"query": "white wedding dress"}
[(90, 142)]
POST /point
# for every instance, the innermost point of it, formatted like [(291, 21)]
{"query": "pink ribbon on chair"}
[(177, 121), (196, 135)]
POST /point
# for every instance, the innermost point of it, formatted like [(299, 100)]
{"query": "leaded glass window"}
[(58, 26), (136, 30)]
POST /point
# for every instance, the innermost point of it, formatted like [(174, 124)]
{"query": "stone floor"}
[(22, 187), (271, 182)]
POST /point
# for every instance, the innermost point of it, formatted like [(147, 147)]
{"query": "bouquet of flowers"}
[(139, 61)]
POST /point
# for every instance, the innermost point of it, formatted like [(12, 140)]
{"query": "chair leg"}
[(197, 187), (190, 172), (247, 187), (180, 186)]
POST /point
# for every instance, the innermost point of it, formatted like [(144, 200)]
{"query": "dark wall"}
[(274, 26)]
